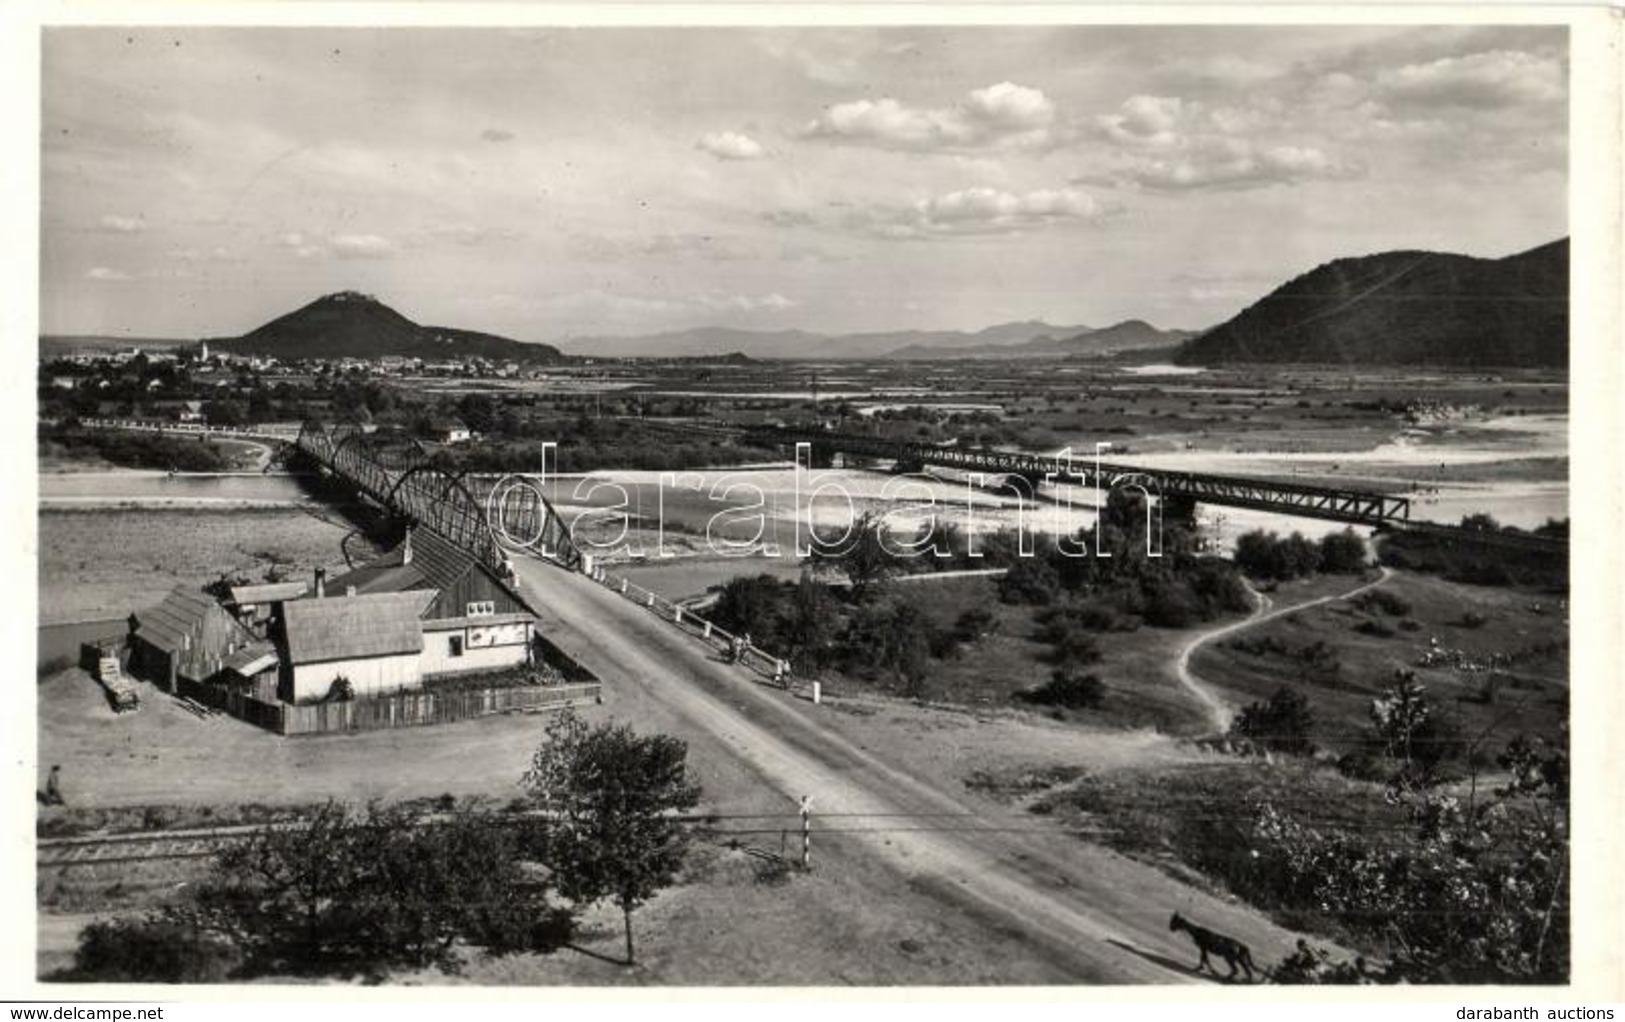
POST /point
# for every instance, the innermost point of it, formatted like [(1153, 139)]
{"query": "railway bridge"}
[(1178, 491)]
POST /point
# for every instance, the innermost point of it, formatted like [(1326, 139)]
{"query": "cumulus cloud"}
[(361, 246), (1488, 80), (731, 145), (106, 273), (497, 135), (984, 211), (123, 224), (1005, 115), (1169, 144)]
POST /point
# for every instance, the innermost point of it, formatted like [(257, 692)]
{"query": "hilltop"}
[(1406, 308), (353, 325)]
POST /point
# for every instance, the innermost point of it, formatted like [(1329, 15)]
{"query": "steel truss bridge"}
[(1357, 507), (484, 517)]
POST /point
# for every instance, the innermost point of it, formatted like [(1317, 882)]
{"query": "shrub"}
[(1384, 601), (1374, 628), (1283, 723), (1031, 580), (1342, 553), (1069, 689), (151, 950), (1472, 619), (974, 624)]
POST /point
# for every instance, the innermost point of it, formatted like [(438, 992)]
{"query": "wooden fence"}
[(413, 708)]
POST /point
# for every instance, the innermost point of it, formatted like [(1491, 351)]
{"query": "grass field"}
[(1530, 695)]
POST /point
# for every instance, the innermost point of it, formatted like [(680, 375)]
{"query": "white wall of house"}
[(369, 677), (484, 647)]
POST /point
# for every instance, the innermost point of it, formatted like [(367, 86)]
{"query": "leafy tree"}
[(1282, 723), (1342, 553), (368, 891), (862, 554), (613, 795)]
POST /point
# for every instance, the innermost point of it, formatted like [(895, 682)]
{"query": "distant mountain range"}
[(1406, 308), (353, 325), (1129, 335), (1029, 339)]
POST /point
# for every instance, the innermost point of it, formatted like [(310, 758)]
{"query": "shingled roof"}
[(180, 614), (354, 627), (436, 563), (269, 592)]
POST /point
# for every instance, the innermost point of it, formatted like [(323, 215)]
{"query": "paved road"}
[(1101, 913)]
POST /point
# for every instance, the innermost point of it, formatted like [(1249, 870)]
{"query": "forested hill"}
[(352, 325), (1406, 308)]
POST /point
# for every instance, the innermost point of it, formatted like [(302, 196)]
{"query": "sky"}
[(563, 182)]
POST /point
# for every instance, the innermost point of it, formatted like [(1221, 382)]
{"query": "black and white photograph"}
[(872, 502)]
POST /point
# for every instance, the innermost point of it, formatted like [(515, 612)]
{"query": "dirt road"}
[(1220, 712), (1103, 914)]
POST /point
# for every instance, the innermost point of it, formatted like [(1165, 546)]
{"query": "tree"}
[(1342, 553), (1281, 724), (612, 794), (861, 554), (367, 890)]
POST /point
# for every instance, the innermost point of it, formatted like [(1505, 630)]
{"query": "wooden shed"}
[(187, 636)]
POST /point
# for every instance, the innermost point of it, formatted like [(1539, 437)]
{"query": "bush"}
[(1384, 601), (1069, 689), (1283, 723), (151, 950), (1342, 553), (1031, 580), (1374, 628), (974, 624)]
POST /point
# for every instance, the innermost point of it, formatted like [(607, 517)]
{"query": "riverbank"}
[(104, 563)]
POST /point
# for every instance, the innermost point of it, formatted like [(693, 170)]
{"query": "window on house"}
[(480, 608), (455, 644)]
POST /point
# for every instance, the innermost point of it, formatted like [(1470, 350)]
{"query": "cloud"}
[(123, 224), (497, 135), (1005, 115), (1164, 143), (104, 273), (731, 145), (1145, 122), (618, 247), (1487, 80), (361, 246), (974, 211)]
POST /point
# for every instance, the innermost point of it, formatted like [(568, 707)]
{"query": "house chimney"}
[(406, 547), (321, 582)]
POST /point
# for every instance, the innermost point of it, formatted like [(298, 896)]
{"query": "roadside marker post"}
[(806, 832)]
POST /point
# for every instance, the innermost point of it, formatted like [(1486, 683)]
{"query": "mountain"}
[(801, 344), (353, 325), (1129, 335), (1406, 308)]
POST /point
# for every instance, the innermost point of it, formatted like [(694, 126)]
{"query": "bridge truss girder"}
[(414, 486), (1356, 507)]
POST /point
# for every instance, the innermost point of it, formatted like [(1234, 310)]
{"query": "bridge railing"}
[(775, 669)]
